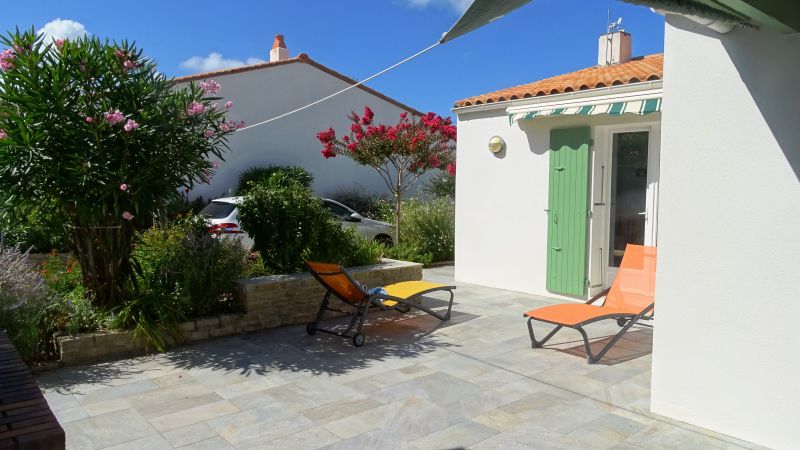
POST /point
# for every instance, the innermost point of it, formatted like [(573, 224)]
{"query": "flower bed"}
[(269, 301)]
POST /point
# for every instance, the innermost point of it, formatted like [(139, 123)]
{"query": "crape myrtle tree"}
[(400, 153), (92, 131)]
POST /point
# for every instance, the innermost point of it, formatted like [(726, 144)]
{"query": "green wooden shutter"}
[(568, 211)]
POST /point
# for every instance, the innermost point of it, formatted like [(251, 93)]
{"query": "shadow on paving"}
[(389, 335), (633, 344)]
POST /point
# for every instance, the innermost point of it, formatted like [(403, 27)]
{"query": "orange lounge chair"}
[(631, 298), (400, 296)]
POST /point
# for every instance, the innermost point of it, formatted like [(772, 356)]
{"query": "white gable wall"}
[(265, 93), (501, 223), (726, 354)]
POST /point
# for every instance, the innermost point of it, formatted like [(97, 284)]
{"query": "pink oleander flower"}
[(120, 53), (130, 125), (228, 105), (195, 108), (215, 164), (210, 87), (128, 64), (123, 187), (113, 117), (127, 216), (209, 134), (60, 43), (7, 57), (3, 134), (88, 119)]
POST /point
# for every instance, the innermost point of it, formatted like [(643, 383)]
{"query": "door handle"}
[(558, 249)]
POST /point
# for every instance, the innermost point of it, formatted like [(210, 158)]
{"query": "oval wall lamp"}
[(496, 144)]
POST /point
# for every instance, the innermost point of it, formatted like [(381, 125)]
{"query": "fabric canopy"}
[(639, 107), (479, 13)]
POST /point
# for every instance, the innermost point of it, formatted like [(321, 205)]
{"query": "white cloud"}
[(458, 6), (63, 29), (215, 61)]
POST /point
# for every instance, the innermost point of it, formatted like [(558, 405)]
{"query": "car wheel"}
[(384, 239)]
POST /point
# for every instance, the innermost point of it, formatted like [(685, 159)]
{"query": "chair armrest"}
[(598, 296)]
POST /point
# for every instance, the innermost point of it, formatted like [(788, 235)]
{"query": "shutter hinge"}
[(587, 282), (590, 213)]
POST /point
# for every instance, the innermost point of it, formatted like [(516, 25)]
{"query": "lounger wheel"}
[(621, 322), (311, 328), (402, 308), (358, 340)]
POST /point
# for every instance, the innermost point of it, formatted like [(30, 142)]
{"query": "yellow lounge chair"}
[(400, 296)]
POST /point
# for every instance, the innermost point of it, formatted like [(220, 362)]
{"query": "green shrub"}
[(186, 256), (23, 301), (289, 226), (32, 226), (405, 252), (440, 185), (427, 229), (153, 315), (70, 309), (257, 175)]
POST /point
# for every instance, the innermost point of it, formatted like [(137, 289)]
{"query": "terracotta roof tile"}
[(301, 58), (644, 68)]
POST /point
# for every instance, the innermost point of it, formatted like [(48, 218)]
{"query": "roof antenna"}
[(611, 27)]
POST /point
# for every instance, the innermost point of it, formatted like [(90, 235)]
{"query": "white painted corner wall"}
[(501, 223), (265, 93), (726, 350)]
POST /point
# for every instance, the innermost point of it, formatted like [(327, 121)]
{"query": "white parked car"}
[(222, 213)]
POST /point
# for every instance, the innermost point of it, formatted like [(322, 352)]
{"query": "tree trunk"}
[(103, 253), (397, 217)]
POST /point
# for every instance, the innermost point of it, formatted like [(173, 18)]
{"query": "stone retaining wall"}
[(269, 302)]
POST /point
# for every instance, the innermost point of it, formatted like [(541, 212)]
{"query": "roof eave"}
[(553, 98)]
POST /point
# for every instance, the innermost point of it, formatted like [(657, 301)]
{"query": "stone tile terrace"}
[(473, 382)]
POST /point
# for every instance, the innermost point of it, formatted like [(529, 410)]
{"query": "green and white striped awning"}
[(639, 107)]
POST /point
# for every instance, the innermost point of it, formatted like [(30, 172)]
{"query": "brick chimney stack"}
[(279, 51)]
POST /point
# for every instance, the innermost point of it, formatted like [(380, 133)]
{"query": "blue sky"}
[(360, 37)]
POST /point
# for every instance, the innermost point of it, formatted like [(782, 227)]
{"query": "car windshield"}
[(337, 211), (218, 210)]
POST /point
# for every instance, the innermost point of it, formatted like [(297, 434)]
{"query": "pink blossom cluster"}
[(7, 58), (60, 42), (427, 140), (123, 187), (127, 216), (3, 134), (228, 105), (127, 62), (113, 117), (208, 134), (231, 126), (328, 140), (130, 125), (210, 87), (195, 108)]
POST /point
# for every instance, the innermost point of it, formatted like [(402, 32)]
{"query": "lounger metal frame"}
[(626, 321), (359, 315)]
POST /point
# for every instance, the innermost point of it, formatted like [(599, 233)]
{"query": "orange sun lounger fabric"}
[(630, 298)]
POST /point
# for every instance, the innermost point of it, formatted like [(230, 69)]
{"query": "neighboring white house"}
[(263, 91), (531, 223), (719, 194)]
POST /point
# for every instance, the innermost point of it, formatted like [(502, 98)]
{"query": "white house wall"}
[(262, 94), (501, 223), (726, 354)]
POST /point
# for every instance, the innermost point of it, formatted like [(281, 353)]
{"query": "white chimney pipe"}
[(614, 48)]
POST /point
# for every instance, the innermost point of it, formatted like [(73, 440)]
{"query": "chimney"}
[(614, 48), (279, 51)]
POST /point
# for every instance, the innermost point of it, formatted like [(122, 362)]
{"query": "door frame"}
[(601, 196)]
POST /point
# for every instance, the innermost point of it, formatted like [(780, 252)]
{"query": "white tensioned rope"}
[(340, 91)]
